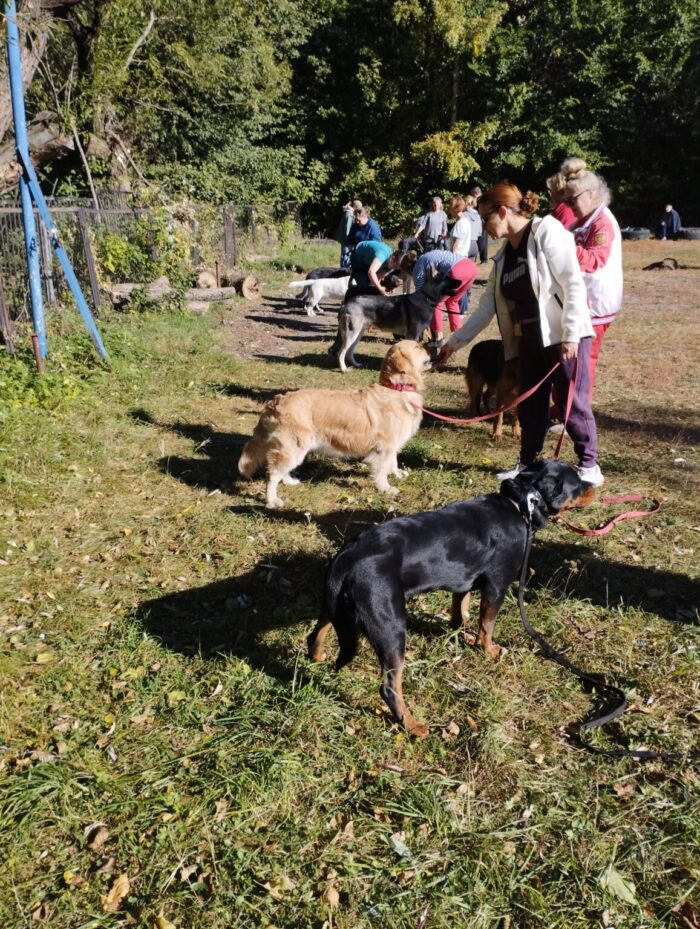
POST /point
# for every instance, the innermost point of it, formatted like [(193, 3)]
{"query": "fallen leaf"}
[(397, 842), (95, 835), (624, 790), (332, 897), (617, 885), (451, 731), (162, 923), (686, 915), (175, 697), (44, 658), (117, 893), (186, 872)]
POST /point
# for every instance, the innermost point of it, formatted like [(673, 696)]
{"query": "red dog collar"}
[(400, 387)]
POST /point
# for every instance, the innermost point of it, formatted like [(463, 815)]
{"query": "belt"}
[(532, 319)]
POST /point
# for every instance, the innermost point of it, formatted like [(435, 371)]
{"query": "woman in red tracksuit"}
[(598, 248)]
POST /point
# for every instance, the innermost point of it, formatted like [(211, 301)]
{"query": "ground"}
[(169, 756)]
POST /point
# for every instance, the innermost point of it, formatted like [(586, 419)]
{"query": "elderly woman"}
[(598, 248), (537, 294)]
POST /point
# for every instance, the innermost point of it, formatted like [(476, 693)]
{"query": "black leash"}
[(615, 701)]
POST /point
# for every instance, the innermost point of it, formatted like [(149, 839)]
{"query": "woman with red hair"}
[(538, 296)]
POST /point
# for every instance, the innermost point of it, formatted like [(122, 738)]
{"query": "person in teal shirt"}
[(369, 263)]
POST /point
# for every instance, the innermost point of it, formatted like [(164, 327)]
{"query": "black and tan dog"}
[(490, 376), (474, 545), (407, 315)]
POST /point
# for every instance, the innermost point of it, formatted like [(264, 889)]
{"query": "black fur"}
[(473, 545), (407, 315)]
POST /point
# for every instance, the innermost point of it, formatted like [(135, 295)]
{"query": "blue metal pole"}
[(14, 67), (83, 308)]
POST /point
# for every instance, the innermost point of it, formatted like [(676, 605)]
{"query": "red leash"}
[(628, 514), (502, 409), (619, 498)]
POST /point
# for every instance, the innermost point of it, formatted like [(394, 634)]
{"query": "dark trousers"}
[(535, 360)]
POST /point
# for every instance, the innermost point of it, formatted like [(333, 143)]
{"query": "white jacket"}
[(558, 285)]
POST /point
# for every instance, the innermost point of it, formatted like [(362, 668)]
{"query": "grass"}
[(154, 678)]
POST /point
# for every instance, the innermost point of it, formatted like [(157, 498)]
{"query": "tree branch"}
[(141, 39)]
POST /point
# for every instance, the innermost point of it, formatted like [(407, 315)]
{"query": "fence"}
[(205, 235)]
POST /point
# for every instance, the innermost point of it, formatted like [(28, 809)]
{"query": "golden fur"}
[(371, 423)]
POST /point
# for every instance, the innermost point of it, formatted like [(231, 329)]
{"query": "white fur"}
[(315, 291)]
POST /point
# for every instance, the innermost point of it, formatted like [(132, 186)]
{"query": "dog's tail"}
[(255, 449), (298, 285), (337, 607)]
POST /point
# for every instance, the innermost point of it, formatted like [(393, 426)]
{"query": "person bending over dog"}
[(538, 296)]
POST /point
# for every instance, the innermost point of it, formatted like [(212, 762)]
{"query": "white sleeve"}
[(559, 249)]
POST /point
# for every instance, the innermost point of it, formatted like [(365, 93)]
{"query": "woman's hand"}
[(569, 351)]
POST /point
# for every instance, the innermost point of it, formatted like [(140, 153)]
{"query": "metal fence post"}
[(89, 259), (5, 324)]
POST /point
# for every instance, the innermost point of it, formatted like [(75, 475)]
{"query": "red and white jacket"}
[(599, 252)]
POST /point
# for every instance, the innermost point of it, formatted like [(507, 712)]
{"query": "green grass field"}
[(169, 756)]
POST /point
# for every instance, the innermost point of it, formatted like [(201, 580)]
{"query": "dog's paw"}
[(392, 491), (275, 504), (291, 481), (401, 472)]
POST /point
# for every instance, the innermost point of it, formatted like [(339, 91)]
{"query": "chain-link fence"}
[(122, 240)]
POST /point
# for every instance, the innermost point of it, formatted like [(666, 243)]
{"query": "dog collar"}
[(400, 387)]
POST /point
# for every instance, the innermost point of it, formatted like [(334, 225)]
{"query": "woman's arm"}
[(479, 320), (595, 252), (372, 275)]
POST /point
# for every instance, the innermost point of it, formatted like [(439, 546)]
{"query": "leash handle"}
[(501, 409), (605, 528), (615, 707)]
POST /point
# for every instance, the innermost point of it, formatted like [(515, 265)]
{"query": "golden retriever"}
[(371, 423)]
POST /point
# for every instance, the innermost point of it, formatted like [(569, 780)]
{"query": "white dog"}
[(315, 291)]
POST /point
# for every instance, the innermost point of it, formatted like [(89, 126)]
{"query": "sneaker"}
[(592, 475), (556, 429), (507, 475)]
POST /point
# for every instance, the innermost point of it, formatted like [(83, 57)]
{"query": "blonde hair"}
[(508, 195), (577, 177), (469, 201)]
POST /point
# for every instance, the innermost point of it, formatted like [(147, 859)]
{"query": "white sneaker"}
[(556, 429), (507, 475), (592, 475)]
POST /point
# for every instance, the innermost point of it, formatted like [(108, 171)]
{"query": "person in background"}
[(477, 229), (431, 228), (598, 249), (364, 228), (537, 294), (462, 271), (669, 225), (460, 240), (483, 241), (342, 233), (369, 262), (559, 208)]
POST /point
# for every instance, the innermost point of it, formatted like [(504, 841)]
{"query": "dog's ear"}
[(556, 481), (450, 286), (528, 501)]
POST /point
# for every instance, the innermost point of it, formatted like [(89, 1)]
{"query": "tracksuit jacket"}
[(599, 250)]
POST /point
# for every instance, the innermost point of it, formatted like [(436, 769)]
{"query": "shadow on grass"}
[(231, 616), (655, 422), (215, 472), (607, 583)]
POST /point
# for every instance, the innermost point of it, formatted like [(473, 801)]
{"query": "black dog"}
[(407, 315), (475, 545), (319, 273)]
